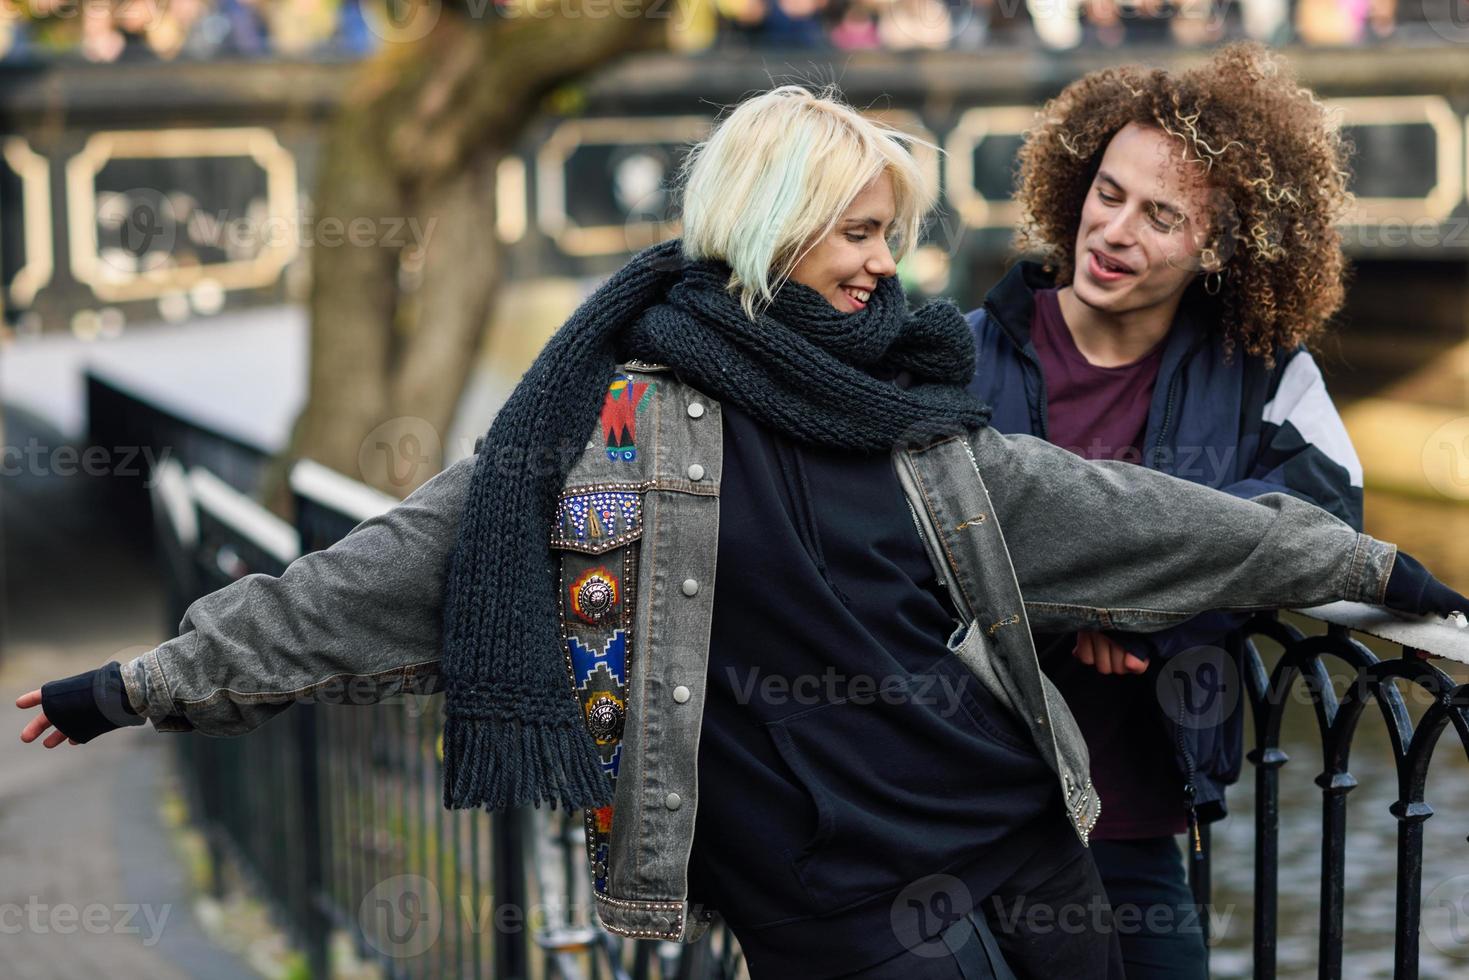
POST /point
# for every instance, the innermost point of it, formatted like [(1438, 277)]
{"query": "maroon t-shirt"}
[(1102, 413)]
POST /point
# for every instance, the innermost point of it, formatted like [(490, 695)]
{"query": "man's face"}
[(1143, 224)]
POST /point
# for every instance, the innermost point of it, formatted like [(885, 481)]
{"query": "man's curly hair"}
[(1266, 148)]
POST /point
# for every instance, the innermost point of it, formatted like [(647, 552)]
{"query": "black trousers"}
[(1045, 923), (1158, 924)]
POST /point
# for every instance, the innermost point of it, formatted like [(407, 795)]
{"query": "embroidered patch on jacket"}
[(594, 594), (604, 518), (625, 397), (600, 680)]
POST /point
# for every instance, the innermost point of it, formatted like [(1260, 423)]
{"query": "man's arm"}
[(1104, 545)]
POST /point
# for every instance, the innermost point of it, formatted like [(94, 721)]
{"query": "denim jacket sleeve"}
[(355, 623), (1112, 545), (1305, 452)]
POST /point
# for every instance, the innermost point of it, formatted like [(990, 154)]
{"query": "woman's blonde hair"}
[(775, 176)]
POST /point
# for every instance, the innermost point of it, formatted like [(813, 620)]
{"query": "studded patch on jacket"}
[(597, 520), (600, 679), (593, 595), (597, 597)]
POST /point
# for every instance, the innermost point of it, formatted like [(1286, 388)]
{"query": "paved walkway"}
[(90, 884)]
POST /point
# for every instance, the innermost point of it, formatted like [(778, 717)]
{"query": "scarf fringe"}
[(499, 764)]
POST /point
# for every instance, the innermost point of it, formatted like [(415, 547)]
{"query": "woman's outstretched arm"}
[(1109, 545), (355, 623)]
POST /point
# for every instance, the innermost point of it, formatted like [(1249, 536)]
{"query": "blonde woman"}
[(847, 749)]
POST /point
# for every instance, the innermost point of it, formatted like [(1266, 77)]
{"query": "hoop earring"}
[(1218, 282)]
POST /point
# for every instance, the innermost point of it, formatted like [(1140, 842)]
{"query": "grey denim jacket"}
[(1025, 535)]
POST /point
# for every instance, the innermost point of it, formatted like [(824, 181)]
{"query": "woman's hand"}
[(1107, 655), (40, 723), (1411, 588)]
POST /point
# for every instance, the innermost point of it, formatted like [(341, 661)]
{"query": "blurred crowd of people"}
[(114, 30), (121, 30), (1058, 24)]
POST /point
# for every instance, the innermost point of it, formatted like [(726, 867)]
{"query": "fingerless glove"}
[(1411, 588), (88, 704)]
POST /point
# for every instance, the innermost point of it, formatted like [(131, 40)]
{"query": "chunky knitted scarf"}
[(513, 731)]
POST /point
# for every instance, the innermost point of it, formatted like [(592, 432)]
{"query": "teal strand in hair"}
[(779, 194)]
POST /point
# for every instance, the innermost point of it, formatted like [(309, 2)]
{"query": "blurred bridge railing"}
[(192, 193)]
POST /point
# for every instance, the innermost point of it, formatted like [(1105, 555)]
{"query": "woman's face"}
[(845, 265)]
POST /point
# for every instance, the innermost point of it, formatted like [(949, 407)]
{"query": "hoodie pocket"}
[(987, 711), (907, 783)]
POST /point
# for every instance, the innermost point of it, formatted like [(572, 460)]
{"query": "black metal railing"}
[(334, 811), (1304, 660)]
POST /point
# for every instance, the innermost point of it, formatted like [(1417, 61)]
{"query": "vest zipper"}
[(1040, 374), (1189, 791), (1168, 405)]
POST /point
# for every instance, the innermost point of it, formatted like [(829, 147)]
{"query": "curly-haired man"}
[(1186, 223)]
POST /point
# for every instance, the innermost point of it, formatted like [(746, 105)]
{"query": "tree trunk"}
[(399, 306)]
